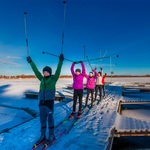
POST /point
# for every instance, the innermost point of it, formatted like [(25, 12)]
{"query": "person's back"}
[(99, 79), (91, 79), (90, 86), (99, 85), (78, 81), (78, 87)]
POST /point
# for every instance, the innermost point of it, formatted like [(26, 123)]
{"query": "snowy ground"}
[(91, 131)]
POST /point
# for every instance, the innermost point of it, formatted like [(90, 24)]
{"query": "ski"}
[(61, 129), (37, 145), (46, 145), (85, 112)]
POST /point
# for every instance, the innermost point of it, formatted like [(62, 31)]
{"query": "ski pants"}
[(77, 94), (103, 88), (46, 116), (87, 96), (98, 88)]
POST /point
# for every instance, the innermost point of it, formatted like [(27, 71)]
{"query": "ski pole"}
[(104, 55), (56, 56), (100, 58), (89, 62), (63, 32), (25, 27)]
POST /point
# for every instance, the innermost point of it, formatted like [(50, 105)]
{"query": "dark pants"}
[(78, 94), (103, 88), (46, 115), (87, 96), (98, 88)]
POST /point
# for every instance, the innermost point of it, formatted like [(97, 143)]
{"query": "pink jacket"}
[(91, 81), (78, 79)]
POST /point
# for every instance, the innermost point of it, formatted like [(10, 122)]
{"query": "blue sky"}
[(105, 27)]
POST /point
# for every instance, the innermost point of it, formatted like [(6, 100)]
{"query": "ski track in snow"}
[(90, 132)]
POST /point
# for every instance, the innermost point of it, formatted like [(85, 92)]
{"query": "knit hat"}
[(48, 69), (78, 70)]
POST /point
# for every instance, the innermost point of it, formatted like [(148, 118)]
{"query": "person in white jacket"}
[(99, 85)]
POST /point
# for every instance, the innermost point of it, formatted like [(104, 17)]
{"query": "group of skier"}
[(94, 81), (47, 93)]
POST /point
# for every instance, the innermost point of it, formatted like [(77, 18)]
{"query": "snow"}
[(90, 132), (141, 114)]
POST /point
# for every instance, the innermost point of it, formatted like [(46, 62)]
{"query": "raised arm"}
[(95, 73), (83, 69), (72, 68), (59, 66), (34, 68), (101, 69)]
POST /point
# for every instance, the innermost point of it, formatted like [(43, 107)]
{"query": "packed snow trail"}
[(95, 126), (63, 128), (90, 132)]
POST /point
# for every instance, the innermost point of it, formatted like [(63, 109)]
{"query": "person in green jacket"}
[(46, 96)]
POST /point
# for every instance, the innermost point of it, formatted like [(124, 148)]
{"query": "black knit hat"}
[(78, 70), (48, 69)]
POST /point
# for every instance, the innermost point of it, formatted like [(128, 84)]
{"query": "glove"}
[(29, 60), (105, 74), (75, 62), (61, 57), (101, 68), (94, 69), (80, 61)]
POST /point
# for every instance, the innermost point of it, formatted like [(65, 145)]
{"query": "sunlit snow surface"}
[(91, 131)]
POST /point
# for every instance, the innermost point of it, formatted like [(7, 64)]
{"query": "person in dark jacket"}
[(47, 96)]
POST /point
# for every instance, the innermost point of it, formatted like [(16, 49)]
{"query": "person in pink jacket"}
[(78, 87), (90, 85)]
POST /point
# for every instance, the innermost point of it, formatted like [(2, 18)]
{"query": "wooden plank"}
[(34, 95), (132, 133), (135, 90), (60, 98), (135, 102), (119, 109), (110, 139), (141, 85), (69, 87), (136, 87), (130, 92)]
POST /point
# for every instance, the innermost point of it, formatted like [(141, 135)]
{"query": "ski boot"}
[(79, 114), (49, 141), (40, 141), (72, 114)]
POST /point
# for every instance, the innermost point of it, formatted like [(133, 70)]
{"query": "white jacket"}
[(99, 80)]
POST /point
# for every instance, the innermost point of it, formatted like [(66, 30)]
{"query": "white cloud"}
[(9, 62), (13, 57)]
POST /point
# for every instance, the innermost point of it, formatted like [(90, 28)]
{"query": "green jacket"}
[(47, 86)]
